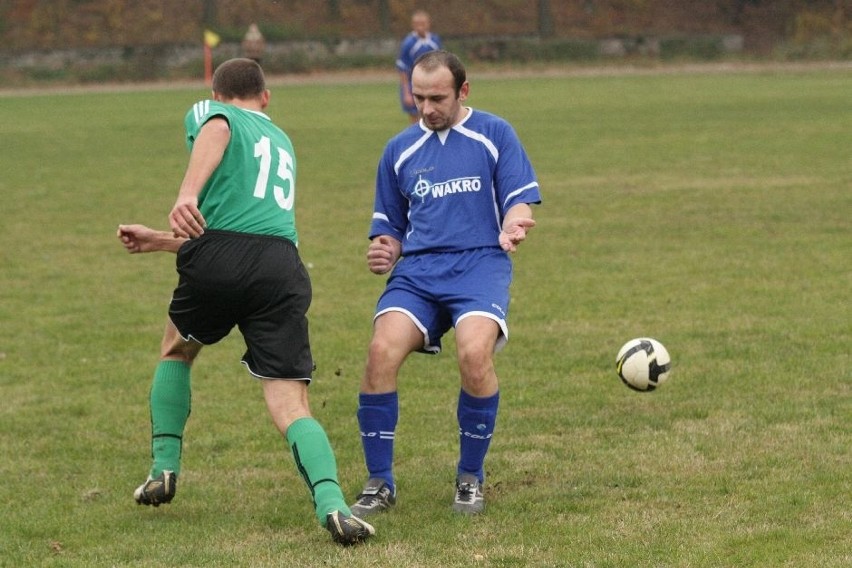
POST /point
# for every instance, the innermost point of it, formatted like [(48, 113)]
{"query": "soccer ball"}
[(643, 364)]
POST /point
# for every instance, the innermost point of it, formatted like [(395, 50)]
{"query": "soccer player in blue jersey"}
[(453, 199), (415, 44), (234, 232)]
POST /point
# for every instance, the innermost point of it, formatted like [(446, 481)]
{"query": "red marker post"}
[(211, 40)]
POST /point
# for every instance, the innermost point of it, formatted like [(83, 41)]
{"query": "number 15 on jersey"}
[(284, 196)]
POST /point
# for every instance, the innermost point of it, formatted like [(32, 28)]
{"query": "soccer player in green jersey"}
[(233, 229)]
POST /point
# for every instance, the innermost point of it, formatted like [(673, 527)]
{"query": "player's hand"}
[(382, 254), (515, 231), (137, 238), (185, 219)]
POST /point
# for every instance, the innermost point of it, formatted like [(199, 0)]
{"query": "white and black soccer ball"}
[(643, 364)]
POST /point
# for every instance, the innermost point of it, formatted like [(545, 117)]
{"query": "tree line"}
[(58, 24)]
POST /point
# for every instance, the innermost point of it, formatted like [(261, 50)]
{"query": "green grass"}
[(708, 211)]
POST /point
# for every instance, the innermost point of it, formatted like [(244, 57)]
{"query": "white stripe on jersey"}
[(518, 191), (479, 138), (421, 43), (200, 109), (410, 150)]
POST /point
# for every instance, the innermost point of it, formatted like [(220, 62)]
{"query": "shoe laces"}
[(466, 492), (369, 500)]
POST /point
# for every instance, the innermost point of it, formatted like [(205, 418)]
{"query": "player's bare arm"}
[(383, 253), (185, 219), (139, 238), (517, 222)]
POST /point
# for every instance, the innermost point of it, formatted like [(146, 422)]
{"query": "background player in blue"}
[(233, 229), (453, 196), (415, 44)]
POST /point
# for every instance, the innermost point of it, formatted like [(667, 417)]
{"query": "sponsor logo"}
[(477, 436), (381, 435), (424, 188)]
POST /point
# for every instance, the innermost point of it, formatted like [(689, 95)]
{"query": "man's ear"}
[(464, 91)]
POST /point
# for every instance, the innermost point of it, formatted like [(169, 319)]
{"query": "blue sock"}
[(377, 418), (477, 417)]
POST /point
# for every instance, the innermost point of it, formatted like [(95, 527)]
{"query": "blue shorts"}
[(437, 290), (412, 109)]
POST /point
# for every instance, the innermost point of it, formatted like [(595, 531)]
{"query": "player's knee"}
[(383, 362), (379, 349), (387, 349), (475, 365), (184, 351)]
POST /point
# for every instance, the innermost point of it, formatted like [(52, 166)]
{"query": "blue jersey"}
[(413, 46), (449, 191)]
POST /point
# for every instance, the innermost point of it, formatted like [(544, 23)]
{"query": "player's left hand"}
[(515, 231), (185, 219)]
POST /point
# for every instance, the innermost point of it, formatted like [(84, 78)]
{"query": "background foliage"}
[(60, 24)]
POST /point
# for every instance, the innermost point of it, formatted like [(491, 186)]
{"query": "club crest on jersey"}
[(423, 187)]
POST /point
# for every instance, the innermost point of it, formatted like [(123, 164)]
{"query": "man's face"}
[(420, 24), (435, 96)]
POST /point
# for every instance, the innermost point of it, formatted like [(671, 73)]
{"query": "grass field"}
[(711, 211)]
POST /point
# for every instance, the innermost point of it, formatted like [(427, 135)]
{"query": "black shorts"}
[(257, 283)]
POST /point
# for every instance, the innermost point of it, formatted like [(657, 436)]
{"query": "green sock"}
[(317, 465), (170, 407)]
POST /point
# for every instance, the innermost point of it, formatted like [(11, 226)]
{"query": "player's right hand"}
[(382, 254)]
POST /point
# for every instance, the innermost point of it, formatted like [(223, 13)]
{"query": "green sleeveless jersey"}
[(254, 188)]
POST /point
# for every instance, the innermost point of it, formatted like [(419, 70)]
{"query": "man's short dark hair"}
[(432, 60), (239, 78)]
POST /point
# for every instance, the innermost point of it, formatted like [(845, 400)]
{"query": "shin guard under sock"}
[(477, 417), (378, 415), (170, 407), (317, 466)]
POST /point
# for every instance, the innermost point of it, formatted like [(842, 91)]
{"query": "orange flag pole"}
[(211, 40)]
